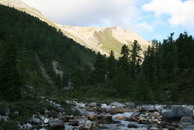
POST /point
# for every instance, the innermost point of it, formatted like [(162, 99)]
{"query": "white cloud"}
[(144, 26), (180, 13), (88, 12)]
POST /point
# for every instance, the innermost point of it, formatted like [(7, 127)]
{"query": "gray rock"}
[(7, 111), (48, 113), (46, 120), (177, 113), (56, 123), (35, 120), (134, 114), (189, 127), (120, 110), (81, 105), (106, 108), (137, 125), (158, 107), (111, 127), (88, 123), (92, 104), (146, 108), (5, 118), (82, 111), (130, 104), (187, 120), (90, 113), (68, 127), (117, 104)]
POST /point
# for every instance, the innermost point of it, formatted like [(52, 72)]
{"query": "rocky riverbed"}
[(109, 116)]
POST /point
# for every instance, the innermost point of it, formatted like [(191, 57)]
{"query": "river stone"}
[(106, 108), (177, 113), (104, 120), (46, 120), (130, 104), (187, 121), (56, 123), (81, 105), (120, 110), (35, 120), (92, 104), (88, 123), (146, 108), (189, 127), (117, 104)]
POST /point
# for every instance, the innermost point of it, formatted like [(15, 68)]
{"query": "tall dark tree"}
[(136, 58), (99, 74), (124, 60), (149, 65), (10, 82), (185, 51), (112, 66), (169, 58)]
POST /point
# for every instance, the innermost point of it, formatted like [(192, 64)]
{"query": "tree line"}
[(163, 72)]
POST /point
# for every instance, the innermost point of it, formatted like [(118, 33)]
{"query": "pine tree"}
[(136, 59), (169, 58), (124, 60), (99, 74), (111, 65), (10, 82)]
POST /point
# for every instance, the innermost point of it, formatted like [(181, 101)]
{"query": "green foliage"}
[(136, 59), (38, 45), (141, 90), (99, 75), (10, 82), (112, 65)]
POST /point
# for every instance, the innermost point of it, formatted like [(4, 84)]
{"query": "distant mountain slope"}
[(103, 39), (95, 38)]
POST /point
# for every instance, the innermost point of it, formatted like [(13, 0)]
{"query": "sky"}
[(151, 19)]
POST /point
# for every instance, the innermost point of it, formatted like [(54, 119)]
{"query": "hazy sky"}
[(151, 19)]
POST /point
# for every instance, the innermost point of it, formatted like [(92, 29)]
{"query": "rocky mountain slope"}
[(103, 39), (95, 38)]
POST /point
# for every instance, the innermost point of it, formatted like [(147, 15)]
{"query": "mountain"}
[(95, 38), (104, 39)]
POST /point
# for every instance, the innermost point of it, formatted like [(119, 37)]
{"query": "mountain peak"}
[(95, 38)]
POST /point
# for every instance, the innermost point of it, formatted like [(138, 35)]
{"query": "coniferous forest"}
[(36, 59)]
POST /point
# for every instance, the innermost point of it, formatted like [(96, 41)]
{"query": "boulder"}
[(35, 121), (130, 104), (92, 104), (88, 123), (189, 127), (81, 105), (177, 113), (146, 108), (158, 107), (134, 114), (74, 123), (106, 108), (56, 124), (117, 104), (104, 120), (120, 110)]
